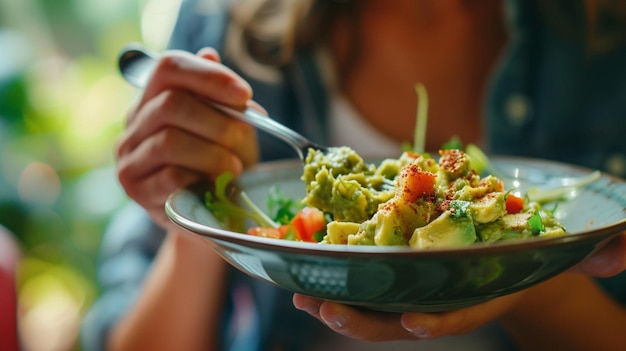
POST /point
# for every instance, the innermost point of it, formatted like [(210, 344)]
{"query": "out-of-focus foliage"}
[(62, 107)]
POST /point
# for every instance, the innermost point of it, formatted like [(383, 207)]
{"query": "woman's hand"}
[(174, 139), (608, 261), (381, 326), (377, 326)]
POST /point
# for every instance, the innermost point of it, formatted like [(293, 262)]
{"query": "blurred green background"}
[(62, 107)]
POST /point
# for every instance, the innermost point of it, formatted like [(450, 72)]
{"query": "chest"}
[(451, 49)]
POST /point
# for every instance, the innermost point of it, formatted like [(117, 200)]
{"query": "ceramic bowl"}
[(400, 279)]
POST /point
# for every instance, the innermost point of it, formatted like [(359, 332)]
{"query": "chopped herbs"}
[(282, 208), (535, 224), (458, 208)]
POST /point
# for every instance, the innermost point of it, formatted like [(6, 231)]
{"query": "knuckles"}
[(170, 103), (164, 144), (171, 178), (177, 63), (169, 62)]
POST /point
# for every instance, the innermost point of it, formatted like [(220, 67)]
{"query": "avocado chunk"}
[(338, 232), (516, 226), (396, 219), (488, 208), (445, 231)]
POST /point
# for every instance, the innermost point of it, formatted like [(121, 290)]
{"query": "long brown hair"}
[(265, 34)]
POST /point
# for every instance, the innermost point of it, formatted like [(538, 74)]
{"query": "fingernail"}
[(420, 332), (239, 88), (335, 322)]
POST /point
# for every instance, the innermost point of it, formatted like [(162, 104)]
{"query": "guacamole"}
[(417, 201)]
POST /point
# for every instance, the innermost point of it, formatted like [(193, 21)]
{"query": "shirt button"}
[(517, 109), (615, 164)]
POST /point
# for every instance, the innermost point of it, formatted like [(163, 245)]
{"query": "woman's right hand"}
[(174, 139)]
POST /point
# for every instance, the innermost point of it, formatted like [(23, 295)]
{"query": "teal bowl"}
[(398, 279)]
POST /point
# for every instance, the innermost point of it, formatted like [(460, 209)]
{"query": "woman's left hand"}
[(382, 326), (608, 261)]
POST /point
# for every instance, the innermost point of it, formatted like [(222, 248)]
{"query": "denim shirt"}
[(547, 99)]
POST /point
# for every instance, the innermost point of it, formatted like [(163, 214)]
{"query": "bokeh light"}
[(62, 107), (52, 301), (39, 184)]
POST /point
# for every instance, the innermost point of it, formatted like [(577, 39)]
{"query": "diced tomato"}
[(274, 233), (303, 226), (307, 222), (514, 203), (415, 183)]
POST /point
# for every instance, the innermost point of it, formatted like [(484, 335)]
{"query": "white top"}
[(347, 127)]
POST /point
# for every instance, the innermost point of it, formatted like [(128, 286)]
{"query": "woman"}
[(329, 67)]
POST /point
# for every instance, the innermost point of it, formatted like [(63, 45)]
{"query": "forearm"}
[(181, 300), (569, 312)]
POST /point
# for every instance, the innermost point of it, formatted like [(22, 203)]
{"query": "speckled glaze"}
[(403, 279)]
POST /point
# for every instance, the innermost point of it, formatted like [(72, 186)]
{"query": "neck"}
[(450, 47)]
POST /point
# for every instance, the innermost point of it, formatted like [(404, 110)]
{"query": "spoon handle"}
[(253, 117), (136, 64)]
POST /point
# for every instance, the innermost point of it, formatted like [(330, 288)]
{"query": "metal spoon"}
[(136, 63)]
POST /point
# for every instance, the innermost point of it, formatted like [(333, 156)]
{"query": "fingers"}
[(608, 261), (253, 104), (362, 324), (152, 192), (209, 54), (206, 78), (173, 147), (457, 322), (352, 322), (176, 95), (308, 304), (381, 326), (168, 160), (174, 138), (176, 109)]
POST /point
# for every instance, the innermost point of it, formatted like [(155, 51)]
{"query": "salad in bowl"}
[(414, 200)]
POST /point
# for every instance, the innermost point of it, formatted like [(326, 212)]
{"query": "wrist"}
[(189, 248)]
